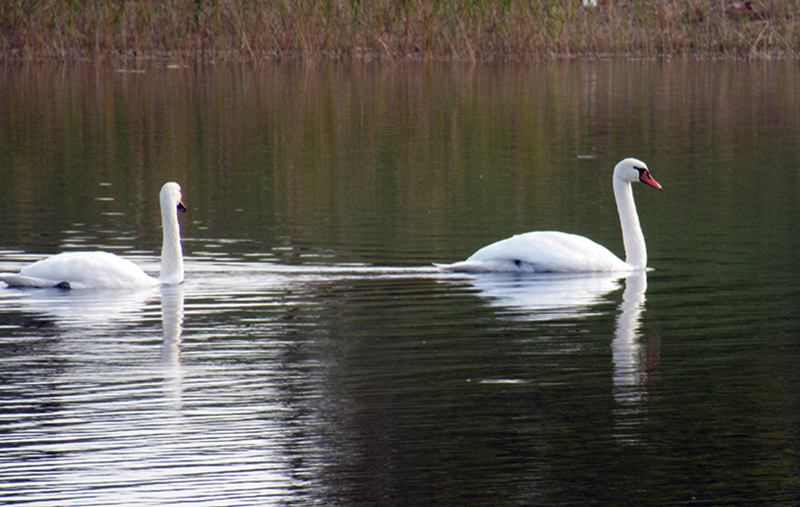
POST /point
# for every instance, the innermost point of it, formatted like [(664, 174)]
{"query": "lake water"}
[(314, 356)]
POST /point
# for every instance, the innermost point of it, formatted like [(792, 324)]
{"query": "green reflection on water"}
[(406, 164)]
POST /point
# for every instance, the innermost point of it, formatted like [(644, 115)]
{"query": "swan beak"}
[(181, 207), (644, 177)]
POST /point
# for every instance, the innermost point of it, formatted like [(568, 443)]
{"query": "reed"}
[(395, 29)]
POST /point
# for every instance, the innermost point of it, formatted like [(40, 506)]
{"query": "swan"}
[(560, 252), (103, 270)]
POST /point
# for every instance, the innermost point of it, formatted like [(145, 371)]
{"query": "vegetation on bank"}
[(397, 29)]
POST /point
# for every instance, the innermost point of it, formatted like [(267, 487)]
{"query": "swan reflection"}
[(553, 297), (102, 307), (628, 365), (635, 358), (89, 313), (547, 296), (172, 323)]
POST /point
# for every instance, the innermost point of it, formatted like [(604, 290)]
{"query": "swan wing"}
[(541, 252), (17, 280), (82, 270)]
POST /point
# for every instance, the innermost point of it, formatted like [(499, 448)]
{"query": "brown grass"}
[(394, 29)]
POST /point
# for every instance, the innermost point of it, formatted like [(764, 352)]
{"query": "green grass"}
[(393, 29)]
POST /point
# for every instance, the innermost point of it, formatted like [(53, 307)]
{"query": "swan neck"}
[(632, 236), (171, 251)]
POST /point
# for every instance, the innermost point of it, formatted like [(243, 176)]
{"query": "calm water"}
[(313, 356)]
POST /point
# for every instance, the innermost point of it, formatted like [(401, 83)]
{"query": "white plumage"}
[(560, 252), (103, 270)]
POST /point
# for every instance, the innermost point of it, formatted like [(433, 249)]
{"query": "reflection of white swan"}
[(103, 270), (172, 321), (625, 346), (547, 296), (634, 360), (629, 354), (92, 307), (559, 252)]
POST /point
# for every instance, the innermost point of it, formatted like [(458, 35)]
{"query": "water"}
[(314, 356)]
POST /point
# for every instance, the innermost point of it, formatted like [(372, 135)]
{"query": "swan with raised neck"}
[(103, 270), (560, 252)]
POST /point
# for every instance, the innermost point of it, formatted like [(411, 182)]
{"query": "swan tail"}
[(459, 267), (492, 266), (15, 280)]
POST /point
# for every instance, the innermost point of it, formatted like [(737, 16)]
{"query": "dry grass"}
[(394, 29)]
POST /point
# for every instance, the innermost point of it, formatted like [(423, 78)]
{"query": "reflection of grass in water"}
[(458, 29)]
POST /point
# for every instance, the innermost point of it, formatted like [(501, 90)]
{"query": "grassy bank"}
[(396, 29)]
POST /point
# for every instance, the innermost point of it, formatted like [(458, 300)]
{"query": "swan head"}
[(632, 169), (171, 196)]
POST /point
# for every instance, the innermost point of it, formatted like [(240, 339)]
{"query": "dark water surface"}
[(314, 356)]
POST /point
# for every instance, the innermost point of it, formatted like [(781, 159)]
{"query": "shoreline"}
[(398, 30)]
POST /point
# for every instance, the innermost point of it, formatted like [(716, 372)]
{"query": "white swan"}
[(103, 270), (559, 252)]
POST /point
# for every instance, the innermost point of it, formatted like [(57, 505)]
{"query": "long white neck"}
[(171, 252), (632, 237)]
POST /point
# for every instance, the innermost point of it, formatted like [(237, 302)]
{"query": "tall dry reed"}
[(396, 29)]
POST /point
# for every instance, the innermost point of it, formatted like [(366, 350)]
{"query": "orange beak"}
[(644, 177)]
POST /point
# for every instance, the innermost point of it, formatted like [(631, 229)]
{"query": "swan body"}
[(103, 270), (560, 252)]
